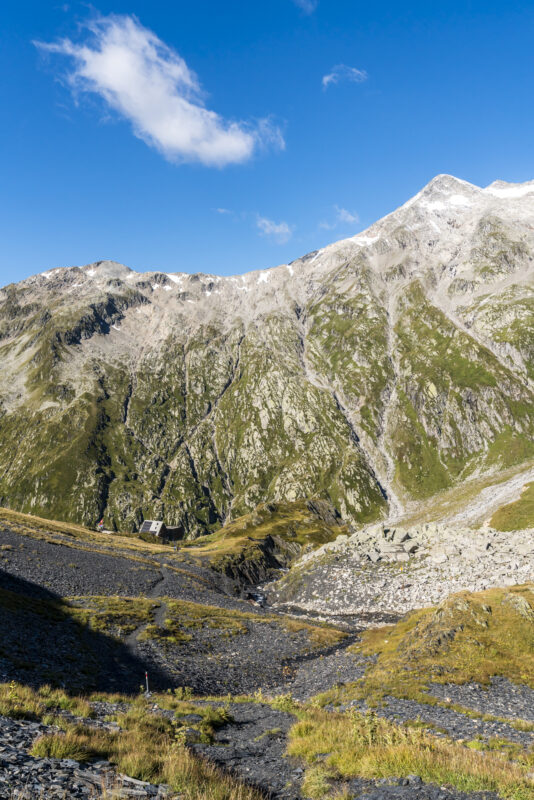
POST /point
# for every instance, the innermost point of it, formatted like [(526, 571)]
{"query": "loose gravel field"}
[(248, 648)]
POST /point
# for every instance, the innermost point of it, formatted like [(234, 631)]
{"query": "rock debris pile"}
[(382, 570)]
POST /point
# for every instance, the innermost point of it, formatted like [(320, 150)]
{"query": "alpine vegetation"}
[(373, 374)]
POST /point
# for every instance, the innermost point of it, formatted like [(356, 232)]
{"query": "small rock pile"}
[(375, 543)]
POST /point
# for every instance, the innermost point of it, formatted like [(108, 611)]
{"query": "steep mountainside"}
[(372, 373)]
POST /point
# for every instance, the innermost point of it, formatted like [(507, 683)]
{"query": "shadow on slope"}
[(43, 642)]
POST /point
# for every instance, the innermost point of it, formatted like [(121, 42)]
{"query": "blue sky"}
[(224, 137)]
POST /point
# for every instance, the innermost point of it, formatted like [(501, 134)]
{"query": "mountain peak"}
[(107, 269), (444, 180), (443, 190), (448, 184)]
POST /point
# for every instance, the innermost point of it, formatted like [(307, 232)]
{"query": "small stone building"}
[(155, 527)]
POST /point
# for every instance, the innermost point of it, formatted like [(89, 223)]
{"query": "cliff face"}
[(372, 373)]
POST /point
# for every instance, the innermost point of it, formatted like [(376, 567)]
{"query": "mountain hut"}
[(155, 527)]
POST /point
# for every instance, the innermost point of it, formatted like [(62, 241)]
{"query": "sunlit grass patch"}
[(184, 617), (146, 745), (290, 526), (338, 746), (518, 515), (470, 637), (449, 502), (112, 615), (21, 702), (149, 747), (321, 635)]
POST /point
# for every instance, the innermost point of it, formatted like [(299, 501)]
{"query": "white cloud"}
[(223, 211), (343, 73), (342, 216), (308, 6), (149, 84), (346, 216), (281, 232)]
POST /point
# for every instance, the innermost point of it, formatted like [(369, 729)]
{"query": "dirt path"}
[(160, 614)]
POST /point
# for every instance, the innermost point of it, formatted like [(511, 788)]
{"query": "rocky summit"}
[(373, 374), (341, 602)]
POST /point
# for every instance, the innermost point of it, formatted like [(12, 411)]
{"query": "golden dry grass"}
[(21, 702), (290, 522), (147, 747), (184, 616), (369, 747), (470, 637)]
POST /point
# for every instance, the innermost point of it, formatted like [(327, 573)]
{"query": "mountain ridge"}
[(498, 188), (372, 373)]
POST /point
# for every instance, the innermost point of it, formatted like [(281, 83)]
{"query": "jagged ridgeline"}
[(375, 372)]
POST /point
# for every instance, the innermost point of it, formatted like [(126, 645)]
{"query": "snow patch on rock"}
[(511, 191)]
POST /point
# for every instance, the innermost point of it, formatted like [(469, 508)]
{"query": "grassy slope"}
[(518, 515), (297, 525), (347, 342), (147, 747), (341, 746), (78, 535), (119, 616), (150, 747), (469, 637), (208, 420), (508, 317), (184, 617), (445, 374), (453, 501)]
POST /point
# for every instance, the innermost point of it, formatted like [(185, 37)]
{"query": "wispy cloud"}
[(346, 216), (223, 211), (281, 232), (343, 73), (308, 6), (342, 217), (149, 84)]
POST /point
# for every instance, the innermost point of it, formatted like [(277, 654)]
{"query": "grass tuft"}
[(22, 702), (149, 747)]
